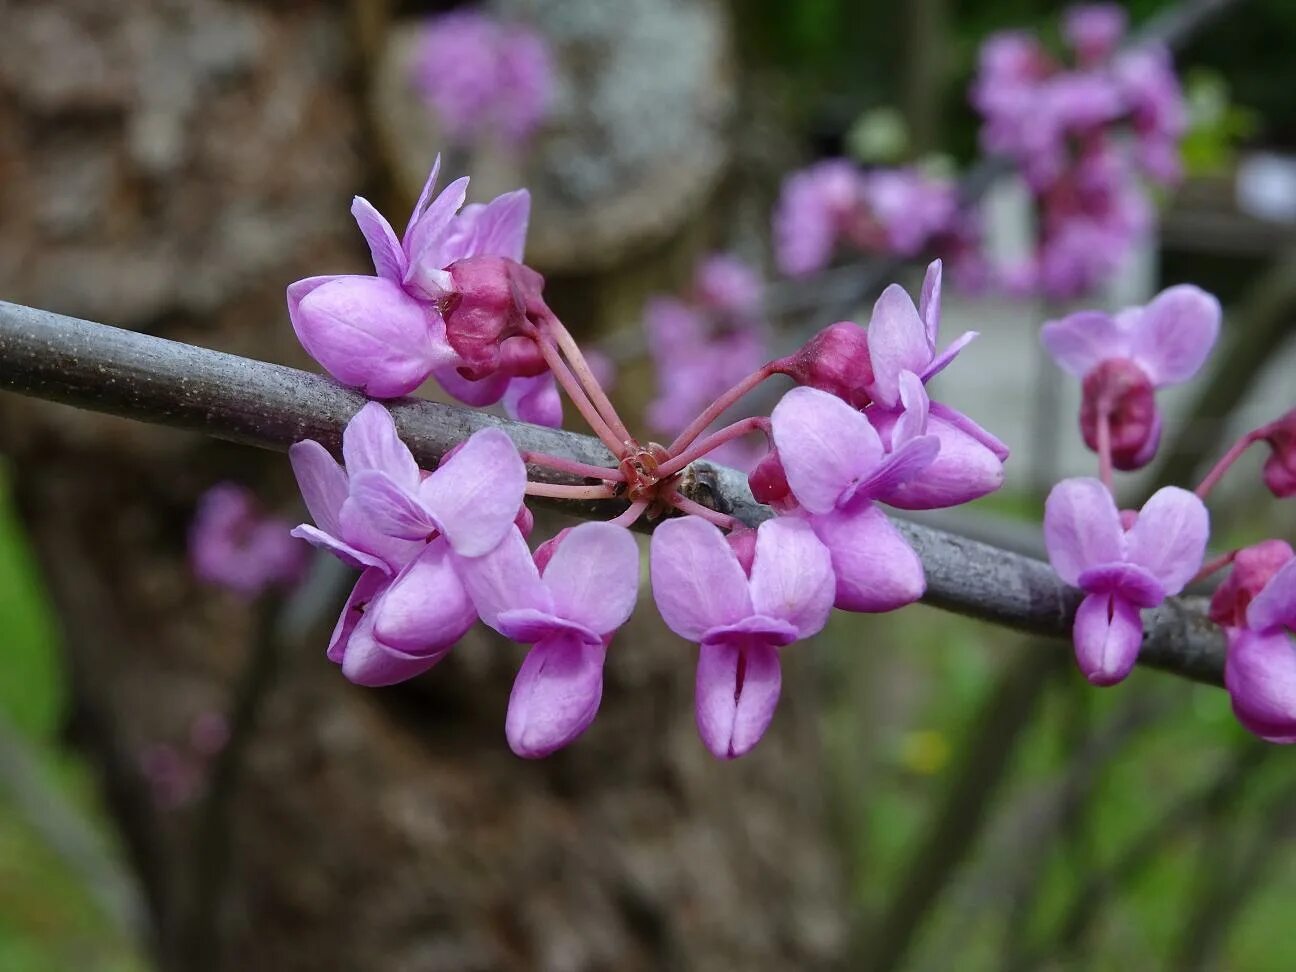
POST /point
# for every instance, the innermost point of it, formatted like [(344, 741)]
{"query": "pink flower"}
[(836, 466), (1123, 358), (380, 334), (1120, 570), (404, 530), (813, 208), (569, 612), (235, 544), (741, 606)]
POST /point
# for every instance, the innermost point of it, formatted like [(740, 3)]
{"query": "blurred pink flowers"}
[(233, 543)]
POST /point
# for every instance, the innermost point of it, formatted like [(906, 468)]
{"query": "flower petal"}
[(1108, 634), (475, 494), (322, 482), (1129, 581), (426, 238), (697, 581), (555, 696), (792, 575), (969, 428), (875, 568), (388, 257), (1260, 675), (736, 695), (349, 555), (825, 446), (593, 576), (1169, 537), (504, 579), (426, 609), (1079, 341), (908, 462), (367, 587), (915, 405), (1275, 605), (929, 303), (497, 228), (1175, 333), (897, 342), (943, 360), (962, 470), (1081, 528), (535, 400), (367, 661), (392, 510), (370, 441), (529, 626)]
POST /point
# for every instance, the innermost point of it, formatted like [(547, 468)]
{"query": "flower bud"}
[(1280, 468), (835, 360), (1120, 388), (489, 301), (1252, 568)]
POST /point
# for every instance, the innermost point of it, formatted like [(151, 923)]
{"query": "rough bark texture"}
[(170, 167)]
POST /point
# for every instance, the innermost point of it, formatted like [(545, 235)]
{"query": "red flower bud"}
[(1120, 388), (1280, 468), (489, 301), (835, 360), (1252, 568), (769, 485)]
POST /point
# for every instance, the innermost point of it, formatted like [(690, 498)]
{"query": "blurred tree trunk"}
[(170, 167)]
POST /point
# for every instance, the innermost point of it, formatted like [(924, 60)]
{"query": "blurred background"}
[(187, 783)]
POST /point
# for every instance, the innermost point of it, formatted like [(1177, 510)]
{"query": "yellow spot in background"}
[(924, 751)]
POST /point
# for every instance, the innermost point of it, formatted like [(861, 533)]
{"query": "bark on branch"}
[(151, 379)]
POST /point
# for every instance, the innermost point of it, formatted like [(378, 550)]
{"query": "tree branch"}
[(139, 376)]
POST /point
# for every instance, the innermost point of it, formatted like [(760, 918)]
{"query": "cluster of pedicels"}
[(483, 77), (1128, 560), (836, 206), (1081, 135), (441, 549)]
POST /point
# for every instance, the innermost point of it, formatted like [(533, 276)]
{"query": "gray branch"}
[(150, 379)]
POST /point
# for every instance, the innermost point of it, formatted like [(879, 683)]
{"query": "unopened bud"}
[(1280, 468), (1123, 391), (769, 485), (1252, 568), (488, 304), (835, 360)]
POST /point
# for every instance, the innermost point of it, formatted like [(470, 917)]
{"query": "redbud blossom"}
[(1260, 669), (234, 543), (1280, 468), (1253, 568)]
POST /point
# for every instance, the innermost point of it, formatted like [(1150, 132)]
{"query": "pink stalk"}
[(1235, 452), (1104, 450), (717, 408), (632, 513), (711, 442), (1211, 566), (585, 375), (573, 467), (562, 491), (579, 398), (686, 505)]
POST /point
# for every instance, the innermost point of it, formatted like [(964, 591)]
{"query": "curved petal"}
[(367, 333), (1169, 537), (697, 581), (358, 531), (529, 626), (736, 694), (322, 482), (388, 257), (825, 446), (425, 239), (1175, 334), (555, 696), (1079, 341), (1275, 605), (426, 609), (370, 441), (392, 510), (475, 494), (1260, 675), (792, 575), (909, 461), (897, 342), (367, 587), (929, 302), (943, 360), (593, 576), (774, 632), (486, 391), (875, 568), (502, 580), (1108, 634), (349, 555), (367, 661), (1129, 581), (962, 470), (497, 228), (915, 406), (1082, 528), (535, 400), (424, 195), (964, 424)]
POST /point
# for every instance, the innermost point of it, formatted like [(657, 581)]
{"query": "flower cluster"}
[(439, 550), (1061, 126), (234, 544), (484, 78), (1124, 560), (902, 211), (703, 342)]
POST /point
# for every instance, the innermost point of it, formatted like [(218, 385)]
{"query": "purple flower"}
[(483, 77), (1120, 570), (233, 543), (1093, 30), (740, 611), (1280, 468), (1158, 112), (568, 612), (1121, 359), (404, 530), (835, 466), (813, 208), (728, 286), (910, 208), (379, 333)]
